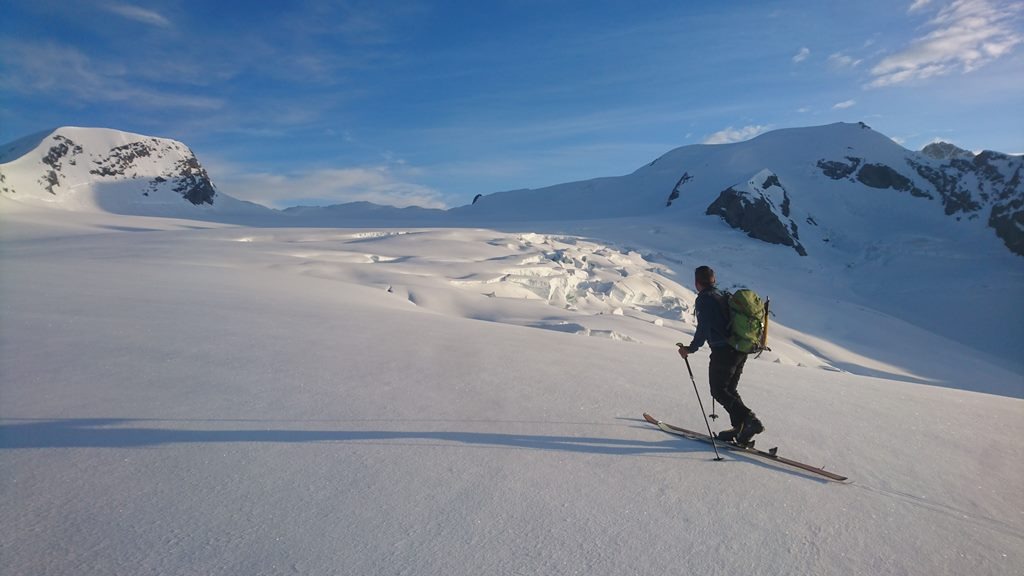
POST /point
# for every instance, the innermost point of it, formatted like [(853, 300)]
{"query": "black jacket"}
[(712, 320)]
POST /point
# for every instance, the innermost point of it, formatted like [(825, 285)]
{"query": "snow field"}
[(234, 400)]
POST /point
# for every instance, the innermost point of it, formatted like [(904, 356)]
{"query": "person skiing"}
[(726, 362)]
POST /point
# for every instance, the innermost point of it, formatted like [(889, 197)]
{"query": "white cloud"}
[(730, 134), (803, 109), (384, 185), (138, 14), (838, 61), (802, 55), (964, 36), (918, 4), (844, 104)]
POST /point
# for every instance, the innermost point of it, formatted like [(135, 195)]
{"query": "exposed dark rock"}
[(838, 170), (785, 201), (193, 183), (477, 197), (59, 151), (969, 183), (1008, 222), (51, 179), (985, 166), (955, 198), (754, 214), (1007, 216), (882, 176), (679, 184), (121, 159)]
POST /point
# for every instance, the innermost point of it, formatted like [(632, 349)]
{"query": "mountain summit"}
[(847, 182), (109, 170)]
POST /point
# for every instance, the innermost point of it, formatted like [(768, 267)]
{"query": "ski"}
[(769, 455)]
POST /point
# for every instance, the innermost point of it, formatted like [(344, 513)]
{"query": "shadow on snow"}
[(120, 433)]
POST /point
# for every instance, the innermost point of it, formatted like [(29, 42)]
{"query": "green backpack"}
[(748, 321)]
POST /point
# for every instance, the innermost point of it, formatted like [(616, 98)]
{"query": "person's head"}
[(704, 277)]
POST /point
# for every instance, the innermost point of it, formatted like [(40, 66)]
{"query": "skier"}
[(726, 362)]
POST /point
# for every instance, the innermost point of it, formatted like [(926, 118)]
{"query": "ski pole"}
[(702, 413)]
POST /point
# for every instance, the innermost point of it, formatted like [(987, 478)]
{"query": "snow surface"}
[(181, 397)]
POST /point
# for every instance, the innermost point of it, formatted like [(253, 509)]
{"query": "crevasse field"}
[(184, 397)]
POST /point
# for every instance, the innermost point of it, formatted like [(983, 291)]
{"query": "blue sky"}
[(430, 103)]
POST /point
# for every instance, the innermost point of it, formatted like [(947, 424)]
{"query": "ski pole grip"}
[(687, 360)]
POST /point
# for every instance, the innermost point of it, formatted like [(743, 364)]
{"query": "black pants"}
[(724, 374)]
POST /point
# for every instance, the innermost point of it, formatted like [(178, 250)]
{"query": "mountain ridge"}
[(829, 173), (848, 182)]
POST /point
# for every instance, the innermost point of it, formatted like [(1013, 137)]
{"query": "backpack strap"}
[(722, 297), (764, 331)]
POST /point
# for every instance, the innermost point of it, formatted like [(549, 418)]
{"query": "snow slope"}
[(189, 397)]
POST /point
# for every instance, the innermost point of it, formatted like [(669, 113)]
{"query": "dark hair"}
[(705, 276)]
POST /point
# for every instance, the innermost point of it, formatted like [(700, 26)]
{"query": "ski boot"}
[(748, 429), (728, 435)]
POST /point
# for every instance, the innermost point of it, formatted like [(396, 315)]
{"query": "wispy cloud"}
[(838, 61), (52, 69), (965, 35), (730, 134), (139, 14), (384, 184), (844, 104), (802, 55), (918, 5)]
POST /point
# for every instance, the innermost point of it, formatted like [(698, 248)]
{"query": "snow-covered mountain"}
[(841, 186), (112, 171)]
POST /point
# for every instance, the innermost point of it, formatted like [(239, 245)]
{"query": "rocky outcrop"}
[(837, 170), (63, 164), (121, 159), (679, 185), (882, 177), (872, 175), (762, 209), (985, 185), (192, 181), (973, 186), (945, 151), (54, 160)]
